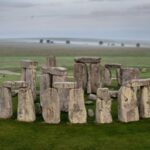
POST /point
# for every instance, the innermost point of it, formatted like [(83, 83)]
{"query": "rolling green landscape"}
[(16, 135)]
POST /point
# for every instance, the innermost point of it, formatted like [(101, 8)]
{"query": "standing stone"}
[(118, 76), (127, 104), (95, 77), (80, 75), (128, 74), (107, 77), (77, 110), (103, 106), (26, 108), (145, 102), (29, 75), (51, 61), (44, 83), (51, 106), (63, 89), (6, 110)]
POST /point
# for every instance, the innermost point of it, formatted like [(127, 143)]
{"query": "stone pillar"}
[(107, 77), (29, 74), (95, 77), (77, 110), (6, 109), (128, 74), (63, 89), (118, 75), (145, 102), (87, 73), (26, 108), (80, 75), (51, 106), (51, 61), (127, 104), (103, 106)]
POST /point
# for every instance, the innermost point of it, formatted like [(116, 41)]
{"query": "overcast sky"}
[(105, 19)]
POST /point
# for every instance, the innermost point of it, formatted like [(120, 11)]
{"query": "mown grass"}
[(91, 136)]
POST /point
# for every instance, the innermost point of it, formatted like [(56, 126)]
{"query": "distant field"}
[(40, 136)]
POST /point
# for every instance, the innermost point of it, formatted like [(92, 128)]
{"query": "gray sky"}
[(106, 19)]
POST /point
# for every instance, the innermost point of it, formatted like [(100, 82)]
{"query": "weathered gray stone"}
[(103, 106), (26, 108), (113, 94), (58, 71), (144, 102), (92, 97), (95, 80), (51, 106), (90, 113), (51, 61), (137, 83), (128, 74), (29, 64), (65, 85), (80, 75), (29, 75), (127, 104), (118, 76), (77, 110), (45, 83), (63, 89), (6, 110), (107, 77), (115, 66), (86, 59)]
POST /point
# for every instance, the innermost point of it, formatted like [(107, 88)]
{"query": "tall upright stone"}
[(26, 108), (77, 110), (95, 77), (107, 77), (29, 74), (51, 106), (63, 89), (144, 102), (103, 106), (127, 104), (6, 109), (81, 75), (87, 73), (128, 74), (51, 61)]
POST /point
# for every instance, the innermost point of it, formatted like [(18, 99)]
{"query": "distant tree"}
[(137, 44), (47, 41), (122, 44), (52, 42), (100, 42), (41, 41), (67, 41)]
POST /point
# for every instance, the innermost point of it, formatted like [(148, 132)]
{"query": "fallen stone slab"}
[(92, 97), (113, 94), (86, 59)]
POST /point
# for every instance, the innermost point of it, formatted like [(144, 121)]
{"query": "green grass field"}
[(16, 135)]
